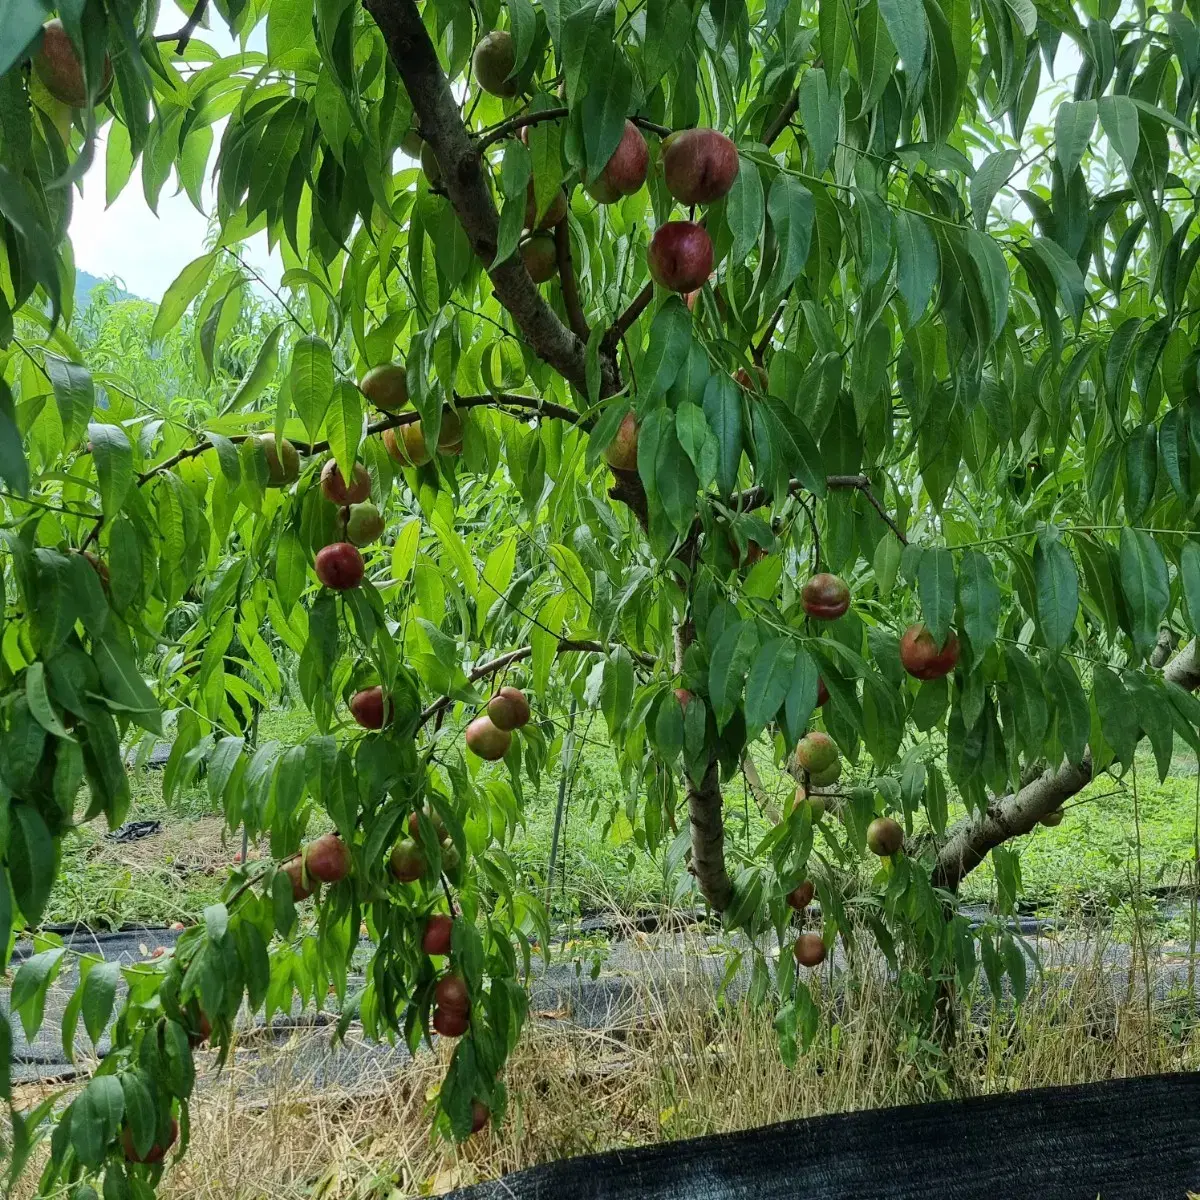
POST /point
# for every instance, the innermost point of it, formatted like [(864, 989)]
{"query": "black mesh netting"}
[(1130, 1139)]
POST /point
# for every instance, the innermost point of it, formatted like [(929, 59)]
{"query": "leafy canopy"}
[(943, 353)]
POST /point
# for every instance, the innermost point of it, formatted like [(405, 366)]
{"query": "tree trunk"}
[(708, 839)]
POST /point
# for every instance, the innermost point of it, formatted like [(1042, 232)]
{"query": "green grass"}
[(1092, 857), (1094, 853)]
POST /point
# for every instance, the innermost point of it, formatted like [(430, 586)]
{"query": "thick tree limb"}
[(969, 842), (467, 187)]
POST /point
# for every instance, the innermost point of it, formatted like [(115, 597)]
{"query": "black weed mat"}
[(616, 984), (1128, 1139)]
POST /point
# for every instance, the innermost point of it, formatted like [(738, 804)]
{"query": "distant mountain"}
[(84, 283)]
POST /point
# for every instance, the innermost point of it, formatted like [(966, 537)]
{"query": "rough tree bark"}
[(467, 187), (968, 843)]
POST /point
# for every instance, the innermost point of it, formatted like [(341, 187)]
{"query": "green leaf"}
[(916, 262), (936, 804), (768, 682), (1069, 704), (39, 701), (675, 480), (188, 284), (790, 207), (980, 599), (1066, 275), (1189, 572), (311, 382), (32, 862), (1057, 590), (1118, 717), (906, 25), (14, 470), (96, 1119), (795, 445), (990, 176), (819, 113), (697, 440), (141, 1115), (124, 685), (113, 456), (523, 21), (727, 669), (723, 411), (833, 23), (875, 235), (1145, 585), (74, 394), (99, 992), (667, 351), (344, 425), (1073, 125), (1028, 701), (20, 22), (260, 374), (1141, 470), (1119, 120), (935, 584), (32, 980), (744, 209), (36, 247), (605, 107)]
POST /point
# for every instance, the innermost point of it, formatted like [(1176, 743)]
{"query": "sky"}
[(127, 240)]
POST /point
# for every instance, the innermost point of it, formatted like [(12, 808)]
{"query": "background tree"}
[(689, 304)]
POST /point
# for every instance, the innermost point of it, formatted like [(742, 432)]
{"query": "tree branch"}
[(415, 58), (780, 123), (969, 842), (621, 325), (183, 35), (762, 797), (502, 400), (515, 124), (570, 286), (493, 665), (757, 497)]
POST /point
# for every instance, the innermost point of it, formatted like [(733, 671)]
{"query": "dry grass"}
[(685, 1068)]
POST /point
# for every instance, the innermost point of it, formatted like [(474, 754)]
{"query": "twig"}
[(514, 124), (816, 536), (183, 35), (662, 130), (760, 347), (756, 497), (627, 318), (502, 400), (484, 669), (570, 286), (865, 488), (780, 123)]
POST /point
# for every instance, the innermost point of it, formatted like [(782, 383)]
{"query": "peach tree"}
[(809, 376)]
